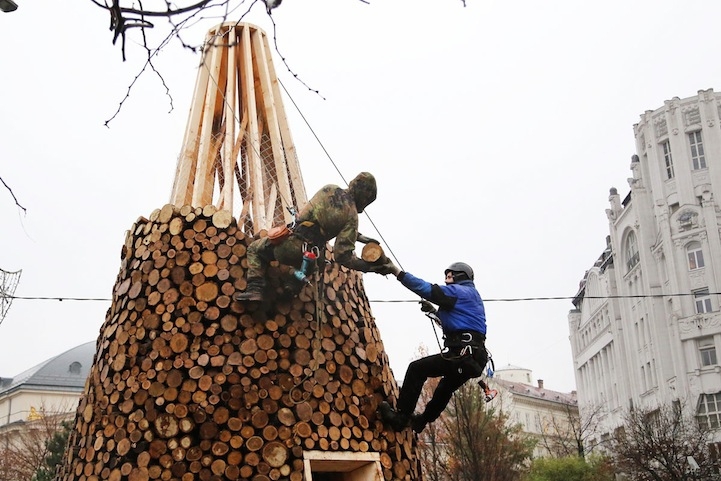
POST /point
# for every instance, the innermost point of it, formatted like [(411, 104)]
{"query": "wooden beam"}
[(252, 139), (204, 169), (185, 174), (291, 155), (281, 168), (231, 121)]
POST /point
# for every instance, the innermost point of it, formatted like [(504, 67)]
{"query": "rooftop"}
[(68, 370), (538, 392)]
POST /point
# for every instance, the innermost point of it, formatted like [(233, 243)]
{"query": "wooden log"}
[(372, 252)]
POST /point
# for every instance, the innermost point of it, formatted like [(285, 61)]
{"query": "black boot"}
[(418, 423), (396, 420), (253, 292)]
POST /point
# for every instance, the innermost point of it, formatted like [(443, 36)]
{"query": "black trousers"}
[(453, 370)]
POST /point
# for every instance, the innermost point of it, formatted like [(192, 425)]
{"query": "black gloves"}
[(426, 306), (365, 239)]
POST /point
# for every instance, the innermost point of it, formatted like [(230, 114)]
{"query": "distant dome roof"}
[(67, 371)]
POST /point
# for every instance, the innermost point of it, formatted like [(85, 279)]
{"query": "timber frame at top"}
[(237, 142)]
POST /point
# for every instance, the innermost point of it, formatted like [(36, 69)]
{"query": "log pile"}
[(188, 384)]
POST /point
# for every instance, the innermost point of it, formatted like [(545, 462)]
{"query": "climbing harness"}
[(464, 341)]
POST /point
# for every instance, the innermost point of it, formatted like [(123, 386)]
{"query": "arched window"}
[(75, 367), (695, 256), (631, 251), (708, 411)]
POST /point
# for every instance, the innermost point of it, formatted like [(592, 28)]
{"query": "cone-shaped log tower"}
[(188, 384)]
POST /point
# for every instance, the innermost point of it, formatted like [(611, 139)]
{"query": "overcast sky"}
[(495, 132)]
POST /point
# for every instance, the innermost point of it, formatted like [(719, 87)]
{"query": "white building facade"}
[(646, 330), (550, 417)]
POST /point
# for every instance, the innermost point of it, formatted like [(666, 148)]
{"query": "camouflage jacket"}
[(333, 212)]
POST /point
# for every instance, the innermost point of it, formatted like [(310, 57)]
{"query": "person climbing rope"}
[(463, 319), (331, 213)]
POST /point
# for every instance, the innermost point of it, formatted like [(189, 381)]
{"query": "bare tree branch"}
[(13, 194), (127, 14), (656, 444)]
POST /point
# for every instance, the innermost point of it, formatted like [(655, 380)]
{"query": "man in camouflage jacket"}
[(331, 213)]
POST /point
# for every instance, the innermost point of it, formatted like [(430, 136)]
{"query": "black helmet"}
[(461, 267), (363, 190)]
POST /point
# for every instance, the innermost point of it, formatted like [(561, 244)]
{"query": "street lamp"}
[(8, 5)]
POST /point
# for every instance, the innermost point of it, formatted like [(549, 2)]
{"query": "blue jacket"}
[(460, 307)]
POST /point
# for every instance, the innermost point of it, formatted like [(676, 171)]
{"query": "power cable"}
[(400, 301)]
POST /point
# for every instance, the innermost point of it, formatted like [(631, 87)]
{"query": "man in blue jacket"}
[(463, 320)]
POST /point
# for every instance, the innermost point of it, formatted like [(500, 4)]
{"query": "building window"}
[(631, 251), (697, 154), (702, 299), (666, 146), (709, 409), (707, 349), (644, 385), (695, 256)]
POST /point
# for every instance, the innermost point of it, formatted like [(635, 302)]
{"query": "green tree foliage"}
[(656, 445), (481, 444), (570, 468), (55, 447)]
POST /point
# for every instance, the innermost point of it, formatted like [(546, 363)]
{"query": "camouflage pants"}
[(261, 252)]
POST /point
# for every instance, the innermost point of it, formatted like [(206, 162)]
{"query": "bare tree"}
[(432, 446), (482, 446), (129, 16), (17, 202), (567, 434), (24, 449), (662, 445)]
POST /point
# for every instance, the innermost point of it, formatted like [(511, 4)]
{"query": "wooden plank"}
[(349, 456), (231, 117), (291, 155), (367, 472), (252, 138), (359, 466), (185, 173), (204, 164), (272, 199), (281, 169)]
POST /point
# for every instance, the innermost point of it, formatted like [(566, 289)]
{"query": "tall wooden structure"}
[(188, 384), (238, 152)]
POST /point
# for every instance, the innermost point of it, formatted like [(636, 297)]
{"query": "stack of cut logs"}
[(188, 384)]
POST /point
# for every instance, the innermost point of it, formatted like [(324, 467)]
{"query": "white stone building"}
[(647, 325), (548, 416)]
